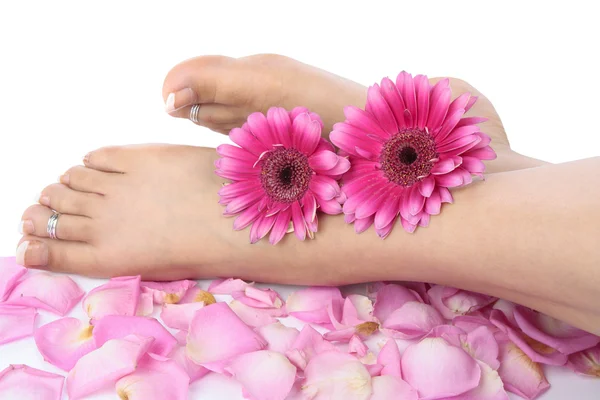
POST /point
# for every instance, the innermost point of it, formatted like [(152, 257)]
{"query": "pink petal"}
[(243, 202), (519, 373), (179, 316), (145, 304), (406, 87), (440, 101), (416, 201), (490, 386), (389, 298), (120, 326), (256, 317), (392, 97), (427, 185), (167, 292), (486, 153), (324, 188), (64, 341), (227, 150), (196, 295), (356, 346), (422, 89), (586, 362), (336, 376), (21, 382), (306, 133), (300, 227), (451, 302), (473, 165), (481, 344), (443, 167), (119, 296), (16, 322), (259, 126), (117, 358), (156, 378), (258, 298), (310, 304), (552, 332), (323, 160), (307, 345), (413, 320), (425, 367), (11, 273), (281, 226), (281, 125), (217, 334), (247, 217), (264, 375), (389, 358), (381, 110), (279, 337), (226, 286), (51, 292), (193, 370), (364, 121), (388, 387)]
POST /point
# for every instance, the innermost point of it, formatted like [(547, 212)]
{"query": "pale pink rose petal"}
[(554, 333), (279, 337), (16, 322), (101, 368), (256, 317), (586, 362), (387, 387), (357, 309), (391, 297), (264, 374), (308, 344), (119, 296), (197, 295), (267, 297), (389, 358), (374, 369), (52, 292), (311, 304), (11, 273), (64, 341), (356, 346), (490, 387), (167, 292), (120, 326), (21, 382), (178, 316), (227, 286), (537, 351), (342, 335), (469, 323), (451, 302), (156, 378), (334, 375), (508, 308), (411, 321), (193, 370), (426, 367), (519, 373), (218, 334), (145, 304), (481, 344)]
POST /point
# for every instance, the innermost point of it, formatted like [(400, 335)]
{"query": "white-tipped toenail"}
[(20, 256), (170, 104), (37, 198)]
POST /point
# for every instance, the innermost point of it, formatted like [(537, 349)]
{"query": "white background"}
[(78, 75)]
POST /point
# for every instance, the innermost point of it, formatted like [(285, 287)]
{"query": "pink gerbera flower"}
[(407, 147), (282, 172)]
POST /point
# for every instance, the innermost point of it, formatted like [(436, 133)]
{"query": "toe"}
[(68, 201), (58, 256), (88, 180), (110, 159), (68, 227)]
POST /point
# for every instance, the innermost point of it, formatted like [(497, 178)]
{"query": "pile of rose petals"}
[(395, 341)]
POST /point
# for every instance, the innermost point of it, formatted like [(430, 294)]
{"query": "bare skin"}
[(152, 210)]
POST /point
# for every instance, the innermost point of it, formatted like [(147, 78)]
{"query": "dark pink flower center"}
[(408, 156), (285, 175)]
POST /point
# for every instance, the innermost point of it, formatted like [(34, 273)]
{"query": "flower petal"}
[(306, 133), (451, 302), (281, 125), (519, 373), (156, 378), (389, 357), (64, 341), (413, 320), (119, 296), (117, 358), (179, 316), (323, 160), (308, 344), (259, 126), (336, 376), (167, 292), (11, 273), (392, 97), (310, 304), (256, 317), (490, 386), (279, 337), (193, 370), (227, 150), (586, 362), (227, 286), (422, 89), (16, 322), (120, 326), (357, 346), (264, 374), (51, 292), (425, 367), (406, 87), (381, 110), (145, 304), (388, 387), (22, 382), (197, 295), (391, 297), (217, 334)]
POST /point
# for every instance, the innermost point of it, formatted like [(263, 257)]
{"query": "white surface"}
[(79, 75)]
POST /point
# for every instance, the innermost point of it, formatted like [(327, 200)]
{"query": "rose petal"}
[(258, 298), (179, 316), (197, 295), (264, 374), (389, 358), (490, 386), (22, 382), (145, 304), (357, 309), (120, 326), (586, 362), (519, 373), (11, 273), (356, 346), (388, 387), (311, 304), (226, 286), (217, 334), (51, 292), (279, 337), (167, 292), (413, 320), (307, 345), (156, 378), (256, 317), (116, 358), (389, 298), (16, 322), (119, 296), (451, 302), (64, 341), (336, 376), (193, 370), (437, 370), (481, 344)]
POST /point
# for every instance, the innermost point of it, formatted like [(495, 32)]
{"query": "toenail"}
[(180, 99), (26, 227), (64, 179), (44, 200), (32, 254)]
